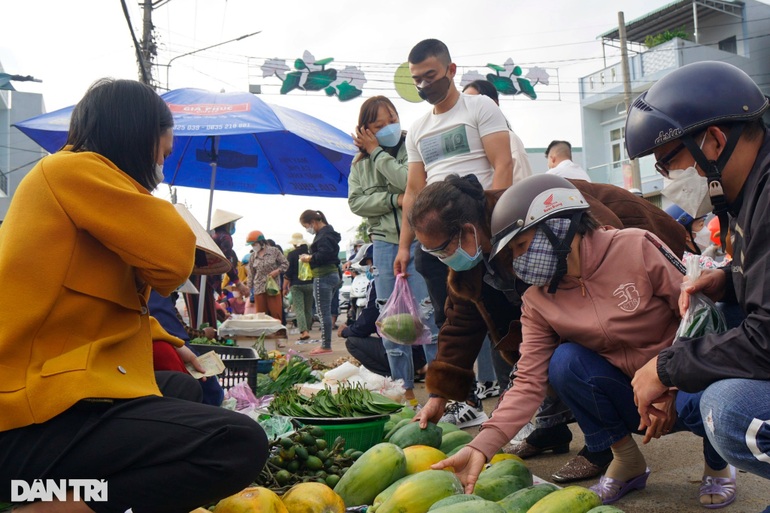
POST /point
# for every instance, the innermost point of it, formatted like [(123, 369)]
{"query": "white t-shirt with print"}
[(450, 142)]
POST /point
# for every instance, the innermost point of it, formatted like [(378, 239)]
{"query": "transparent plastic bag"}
[(702, 316), (400, 320), (305, 273), (272, 288)]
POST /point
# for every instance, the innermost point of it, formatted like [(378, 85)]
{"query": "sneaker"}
[(487, 389), (462, 415)]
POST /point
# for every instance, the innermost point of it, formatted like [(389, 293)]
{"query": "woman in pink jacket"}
[(602, 303)]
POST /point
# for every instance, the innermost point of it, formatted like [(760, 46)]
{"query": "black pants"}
[(371, 353), (435, 274), (157, 454)]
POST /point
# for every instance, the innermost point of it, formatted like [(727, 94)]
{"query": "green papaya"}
[(605, 508), (372, 472), (401, 423), (411, 434), (454, 499), (497, 488), (522, 500), (508, 468), (385, 494), (481, 506), (401, 328), (455, 450), (446, 427), (454, 439)]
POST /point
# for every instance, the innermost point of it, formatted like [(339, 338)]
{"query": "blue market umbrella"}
[(240, 142), (236, 142)]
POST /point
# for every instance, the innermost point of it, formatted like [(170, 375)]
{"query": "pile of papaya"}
[(395, 477)]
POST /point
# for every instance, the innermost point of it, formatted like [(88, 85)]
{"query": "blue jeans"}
[(602, 400), (486, 369), (323, 290), (737, 414), (400, 356)]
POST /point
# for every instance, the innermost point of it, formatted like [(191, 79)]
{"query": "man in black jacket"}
[(682, 119)]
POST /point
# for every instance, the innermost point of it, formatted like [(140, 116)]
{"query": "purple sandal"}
[(723, 486), (611, 490)]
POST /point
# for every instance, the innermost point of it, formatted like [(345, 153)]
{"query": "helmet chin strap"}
[(713, 170), (562, 248)]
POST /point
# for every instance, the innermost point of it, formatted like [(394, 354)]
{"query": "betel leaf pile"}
[(347, 401)]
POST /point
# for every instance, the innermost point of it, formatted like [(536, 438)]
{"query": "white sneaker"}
[(487, 389), (462, 415)]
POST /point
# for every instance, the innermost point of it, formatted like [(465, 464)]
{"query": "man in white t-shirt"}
[(559, 155), (461, 135)]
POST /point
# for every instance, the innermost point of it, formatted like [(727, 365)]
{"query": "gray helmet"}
[(530, 202), (688, 100)]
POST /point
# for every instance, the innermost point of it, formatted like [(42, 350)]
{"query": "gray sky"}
[(70, 44)]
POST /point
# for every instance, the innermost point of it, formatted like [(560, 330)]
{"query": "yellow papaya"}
[(497, 458), (421, 457), (419, 491), (574, 499), (312, 498), (254, 499)]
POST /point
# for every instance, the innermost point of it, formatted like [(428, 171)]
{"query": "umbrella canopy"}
[(256, 147)]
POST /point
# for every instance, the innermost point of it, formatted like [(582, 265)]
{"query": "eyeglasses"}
[(440, 251), (662, 164)]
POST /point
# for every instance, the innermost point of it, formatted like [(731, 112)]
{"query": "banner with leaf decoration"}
[(308, 74)]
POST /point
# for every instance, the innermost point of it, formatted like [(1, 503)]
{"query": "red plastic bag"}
[(400, 320)]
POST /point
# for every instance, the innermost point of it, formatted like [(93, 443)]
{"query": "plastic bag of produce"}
[(304, 273), (400, 319), (272, 288), (702, 316)]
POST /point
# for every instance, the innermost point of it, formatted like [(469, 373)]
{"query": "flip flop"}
[(612, 490), (724, 486)]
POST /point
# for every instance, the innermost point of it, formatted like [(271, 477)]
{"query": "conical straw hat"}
[(222, 217), (217, 262)]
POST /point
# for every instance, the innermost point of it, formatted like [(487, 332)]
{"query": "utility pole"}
[(635, 174), (148, 44)]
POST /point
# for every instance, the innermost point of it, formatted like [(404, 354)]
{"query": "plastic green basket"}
[(359, 435)]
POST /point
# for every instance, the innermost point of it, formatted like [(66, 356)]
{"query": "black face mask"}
[(436, 91)]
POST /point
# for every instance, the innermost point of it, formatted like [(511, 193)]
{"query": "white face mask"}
[(703, 238), (310, 230), (158, 174), (689, 190)]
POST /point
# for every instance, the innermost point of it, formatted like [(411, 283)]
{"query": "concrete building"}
[(729, 31), (18, 153)]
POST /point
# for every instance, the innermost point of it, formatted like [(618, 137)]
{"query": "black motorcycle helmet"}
[(687, 101)]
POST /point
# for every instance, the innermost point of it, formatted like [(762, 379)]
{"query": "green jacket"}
[(374, 184)]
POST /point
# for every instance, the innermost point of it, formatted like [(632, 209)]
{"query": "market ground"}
[(676, 461)]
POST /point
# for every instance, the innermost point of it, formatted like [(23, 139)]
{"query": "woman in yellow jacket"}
[(78, 395)]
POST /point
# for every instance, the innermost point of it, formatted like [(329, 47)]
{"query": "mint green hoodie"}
[(374, 184)]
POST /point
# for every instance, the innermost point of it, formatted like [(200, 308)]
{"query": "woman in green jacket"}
[(376, 186)]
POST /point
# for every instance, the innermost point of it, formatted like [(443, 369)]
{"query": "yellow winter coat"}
[(80, 247)]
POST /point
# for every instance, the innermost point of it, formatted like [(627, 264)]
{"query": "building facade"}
[(18, 153)]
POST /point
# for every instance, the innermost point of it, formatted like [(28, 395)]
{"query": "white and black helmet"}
[(530, 202)]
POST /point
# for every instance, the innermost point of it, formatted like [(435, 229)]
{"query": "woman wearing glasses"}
[(376, 184)]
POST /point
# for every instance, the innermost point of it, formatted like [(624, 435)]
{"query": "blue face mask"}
[(462, 261), (232, 229), (389, 136)]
